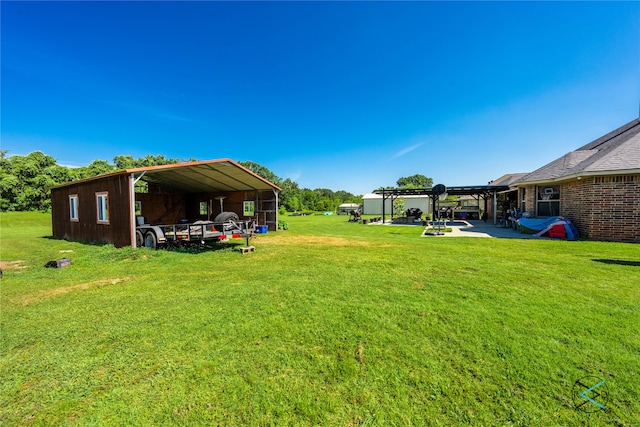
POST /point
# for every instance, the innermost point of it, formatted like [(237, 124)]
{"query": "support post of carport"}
[(384, 215), (495, 207), (275, 193), (486, 205), (132, 208)]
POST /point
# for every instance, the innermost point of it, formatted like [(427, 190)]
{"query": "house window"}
[(138, 207), (102, 204), (548, 200), (73, 207), (248, 208), (204, 208)]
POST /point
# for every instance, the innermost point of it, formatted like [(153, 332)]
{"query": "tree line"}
[(25, 181)]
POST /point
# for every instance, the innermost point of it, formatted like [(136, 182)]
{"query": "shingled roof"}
[(508, 179), (617, 152)]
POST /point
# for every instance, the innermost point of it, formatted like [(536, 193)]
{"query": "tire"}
[(139, 239), (223, 217), (150, 240)]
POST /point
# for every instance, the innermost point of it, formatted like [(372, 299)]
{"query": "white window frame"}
[(102, 207), (203, 208), (73, 208), (549, 196)]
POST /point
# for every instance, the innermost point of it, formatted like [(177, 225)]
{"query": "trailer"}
[(225, 226)]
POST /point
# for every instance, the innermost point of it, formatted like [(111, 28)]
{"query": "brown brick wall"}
[(529, 199), (602, 208), (614, 213)]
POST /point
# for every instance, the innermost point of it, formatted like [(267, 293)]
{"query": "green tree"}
[(125, 162), (308, 199), (25, 181), (398, 206), (289, 195), (128, 162), (415, 181), (97, 167)]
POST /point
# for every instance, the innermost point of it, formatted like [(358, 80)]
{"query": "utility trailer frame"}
[(199, 232)]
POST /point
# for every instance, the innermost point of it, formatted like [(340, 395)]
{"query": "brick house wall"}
[(615, 211), (605, 208), (528, 194)]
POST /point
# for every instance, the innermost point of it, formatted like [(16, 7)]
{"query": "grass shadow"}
[(196, 248), (80, 241), (619, 262), (184, 247)]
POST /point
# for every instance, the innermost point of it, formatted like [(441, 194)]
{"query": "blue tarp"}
[(541, 226)]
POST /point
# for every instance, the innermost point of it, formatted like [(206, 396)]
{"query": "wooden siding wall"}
[(162, 208), (87, 229), (265, 206), (605, 208)]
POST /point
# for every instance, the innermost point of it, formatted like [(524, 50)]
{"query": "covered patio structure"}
[(485, 193)]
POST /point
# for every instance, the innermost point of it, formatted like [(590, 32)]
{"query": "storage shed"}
[(104, 208), (345, 208)]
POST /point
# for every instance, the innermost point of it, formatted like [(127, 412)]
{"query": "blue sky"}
[(340, 95)]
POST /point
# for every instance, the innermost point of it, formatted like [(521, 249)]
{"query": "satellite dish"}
[(438, 190)]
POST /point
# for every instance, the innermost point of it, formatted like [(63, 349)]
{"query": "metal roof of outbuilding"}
[(222, 175)]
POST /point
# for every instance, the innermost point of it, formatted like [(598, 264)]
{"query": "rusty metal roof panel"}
[(222, 175)]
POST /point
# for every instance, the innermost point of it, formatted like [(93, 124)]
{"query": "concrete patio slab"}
[(480, 229)]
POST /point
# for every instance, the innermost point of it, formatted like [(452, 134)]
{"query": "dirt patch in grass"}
[(12, 265), (317, 241), (49, 293)]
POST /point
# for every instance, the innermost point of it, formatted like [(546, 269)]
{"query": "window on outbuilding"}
[(102, 206), (204, 208), (548, 200), (73, 207)]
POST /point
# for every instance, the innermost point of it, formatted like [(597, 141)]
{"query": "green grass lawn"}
[(328, 323)]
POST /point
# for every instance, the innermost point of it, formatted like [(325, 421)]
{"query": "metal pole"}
[(433, 201), (132, 208), (275, 192), (495, 208)]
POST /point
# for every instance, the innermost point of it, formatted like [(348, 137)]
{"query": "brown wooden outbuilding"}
[(105, 208)]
